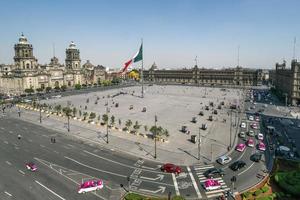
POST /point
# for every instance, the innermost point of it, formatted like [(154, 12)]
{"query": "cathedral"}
[(27, 73)]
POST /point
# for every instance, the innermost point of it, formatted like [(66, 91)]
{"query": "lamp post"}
[(199, 145), (155, 132)]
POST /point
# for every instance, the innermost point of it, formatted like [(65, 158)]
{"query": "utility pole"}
[(199, 145), (155, 120), (107, 123)]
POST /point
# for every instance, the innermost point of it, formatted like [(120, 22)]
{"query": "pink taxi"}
[(240, 147), (211, 184), (90, 185), (261, 146), (250, 143), (31, 166)]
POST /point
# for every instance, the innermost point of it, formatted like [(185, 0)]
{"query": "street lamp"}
[(155, 132)]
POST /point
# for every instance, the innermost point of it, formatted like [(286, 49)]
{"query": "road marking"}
[(21, 172), (100, 170), (158, 177), (55, 151), (175, 184), (43, 146), (50, 190), (8, 193), (5, 142), (204, 167), (160, 189), (30, 140), (215, 191), (246, 169), (7, 162), (194, 183)]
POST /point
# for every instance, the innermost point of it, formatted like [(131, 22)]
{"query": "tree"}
[(57, 108), (39, 89), (29, 90), (136, 126), (74, 111), (63, 88), (128, 124), (48, 89), (105, 118), (112, 120), (92, 115), (85, 114), (57, 88), (77, 86), (67, 111)]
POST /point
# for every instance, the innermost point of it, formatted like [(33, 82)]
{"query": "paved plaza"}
[(175, 106)]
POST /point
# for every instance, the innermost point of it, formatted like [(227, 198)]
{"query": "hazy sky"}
[(174, 31)]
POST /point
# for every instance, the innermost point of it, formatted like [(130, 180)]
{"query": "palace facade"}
[(202, 76), (27, 73)]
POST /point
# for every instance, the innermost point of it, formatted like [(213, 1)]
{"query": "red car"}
[(31, 166), (171, 168)]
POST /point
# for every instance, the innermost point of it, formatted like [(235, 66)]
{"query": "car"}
[(251, 118), (224, 160), (240, 147), (251, 133), (31, 166), (256, 118), (260, 136), (90, 185), (250, 143), (242, 134), (214, 172), (171, 168), (237, 165), (261, 146), (254, 126), (211, 184), (243, 125), (256, 157)]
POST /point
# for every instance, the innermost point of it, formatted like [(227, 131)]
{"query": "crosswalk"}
[(199, 170)]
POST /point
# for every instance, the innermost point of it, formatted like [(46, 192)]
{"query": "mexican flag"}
[(136, 58)]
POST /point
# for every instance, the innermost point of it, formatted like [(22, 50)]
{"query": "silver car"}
[(242, 134)]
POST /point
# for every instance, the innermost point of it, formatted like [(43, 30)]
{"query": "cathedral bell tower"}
[(72, 57), (24, 58)]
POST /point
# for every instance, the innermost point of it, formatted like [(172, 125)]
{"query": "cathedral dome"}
[(23, 39), (72, 45)]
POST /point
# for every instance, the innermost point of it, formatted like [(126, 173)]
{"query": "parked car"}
[(201, 113), (194, 120), (243, 125), (204, 126), (260, 136), (211, 184), (256, 157), (251, 118), (171, 168), (224, 160), (251, 133), (261, 146), (242, 134), (237, 165), (90, 185), (214, 172), (240, 147), (31, 166), (250, 143)]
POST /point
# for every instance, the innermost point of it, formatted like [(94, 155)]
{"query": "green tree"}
[(48, 89), (128, 123), (58, 108), (39, 89), (74, 111), (67, 111), (85, 114), (29, 90), (105, 118), (92, 115), (136, 126), (57, 88), (77, 86), (63, 88), (112, 120)]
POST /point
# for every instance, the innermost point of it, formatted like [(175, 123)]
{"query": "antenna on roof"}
[(294, 49)]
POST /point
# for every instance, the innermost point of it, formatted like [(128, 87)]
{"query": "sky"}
[(174, 32)]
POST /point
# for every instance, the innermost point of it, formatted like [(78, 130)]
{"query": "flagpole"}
[(142, 73)]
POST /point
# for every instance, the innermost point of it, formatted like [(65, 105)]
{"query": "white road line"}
[(175, 184), (5, 142), (100, 170), (55, 151), (21, 172), (246, 169), (8, 193), (216, 191), (201, 168), (43, 146), (50, 190), (7, 162), (194, 183)]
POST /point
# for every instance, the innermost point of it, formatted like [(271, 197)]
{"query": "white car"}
[(260, 136), (243, 125), (224, 159), (251, 118)]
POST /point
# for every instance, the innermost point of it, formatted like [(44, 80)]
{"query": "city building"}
[(27, 73), (287, 81), (202, 76)]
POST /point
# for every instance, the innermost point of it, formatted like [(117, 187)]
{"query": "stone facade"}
[(287, 81), (27, 73), (202, 76)]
